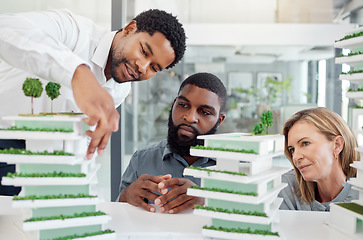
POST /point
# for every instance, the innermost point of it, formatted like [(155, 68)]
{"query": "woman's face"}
[(312, 153)]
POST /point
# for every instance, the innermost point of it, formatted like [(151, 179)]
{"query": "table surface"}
[(134, 223)]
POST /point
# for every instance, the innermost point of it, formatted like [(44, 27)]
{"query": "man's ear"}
[(221, 118), (131, 27)]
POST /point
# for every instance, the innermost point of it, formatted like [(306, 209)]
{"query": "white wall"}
[(98, 11)]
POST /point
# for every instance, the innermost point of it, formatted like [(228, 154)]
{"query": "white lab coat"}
[(50, 45)]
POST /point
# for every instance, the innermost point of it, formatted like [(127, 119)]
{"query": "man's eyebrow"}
[(151, 52), (183, 98), (203, 106), (209, 107)]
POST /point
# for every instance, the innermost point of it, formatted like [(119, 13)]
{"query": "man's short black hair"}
[(155, 20), (210, 82)]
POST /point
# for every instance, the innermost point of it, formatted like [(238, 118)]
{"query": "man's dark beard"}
[(181, 146), (115, 63)]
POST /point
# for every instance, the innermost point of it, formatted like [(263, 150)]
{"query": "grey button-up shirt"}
[(157, 160), (293, 202)]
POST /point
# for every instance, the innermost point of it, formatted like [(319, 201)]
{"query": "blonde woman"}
[(321, 147)]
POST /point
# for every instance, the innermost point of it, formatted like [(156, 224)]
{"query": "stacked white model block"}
[(347, 218), (58, 182), (241, 190)]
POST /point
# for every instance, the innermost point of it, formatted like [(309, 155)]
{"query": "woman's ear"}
[(338, 144)]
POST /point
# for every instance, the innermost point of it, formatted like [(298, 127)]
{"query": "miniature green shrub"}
[(60, 196), (267, 119), (76, 215), (234, 211), (75, 236), (224, 191), (239, 230), (53, 174), (223, 149), (27, 152), (217, 171)]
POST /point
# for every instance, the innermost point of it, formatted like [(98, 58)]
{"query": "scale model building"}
[(241, 190), (347, 218), (57, 181)]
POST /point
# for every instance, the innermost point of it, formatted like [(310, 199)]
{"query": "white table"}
[(134, 223)]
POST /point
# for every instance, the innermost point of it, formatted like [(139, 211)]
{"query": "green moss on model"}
[(234, 211), (352, 207), (224, 191), (357, 90), (60, 196), (239, 230), (223, 149), (76, 215), (358, 34), (350, 54), (27, 152), (75, 236), (53, 174), (217, 171), (15, 128), (352, 72)]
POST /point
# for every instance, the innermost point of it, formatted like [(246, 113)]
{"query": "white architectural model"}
[(241, 190), (348, 217), (57, 181)]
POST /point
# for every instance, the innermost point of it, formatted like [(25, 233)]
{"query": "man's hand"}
[(98, 105), (178, 191), (142, 188)]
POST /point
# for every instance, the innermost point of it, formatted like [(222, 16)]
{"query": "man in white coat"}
[(94, 66)]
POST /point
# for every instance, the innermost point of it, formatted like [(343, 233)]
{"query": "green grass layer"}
[(53, 174), (76, 215), (234, 211), (358, 34), (224, 149), (15, 128), (218, 171), (224, 191), (239, 230), (352, 207), (75, 236), (27, 152), (60, 196)]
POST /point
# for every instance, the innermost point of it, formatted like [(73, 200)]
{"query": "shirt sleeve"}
[(41, 43), (130, 174)]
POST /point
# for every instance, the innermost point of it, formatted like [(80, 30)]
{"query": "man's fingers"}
[(172, 182)]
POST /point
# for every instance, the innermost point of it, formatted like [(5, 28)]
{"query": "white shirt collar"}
[(103, 49)]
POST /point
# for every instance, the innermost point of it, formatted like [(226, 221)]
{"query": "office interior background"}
[(270, 54)]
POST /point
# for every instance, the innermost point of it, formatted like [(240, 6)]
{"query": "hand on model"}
[(178, 191), (143, 188), (98, 105)]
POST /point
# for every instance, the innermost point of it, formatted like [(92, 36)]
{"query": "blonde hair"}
[(331, 125)]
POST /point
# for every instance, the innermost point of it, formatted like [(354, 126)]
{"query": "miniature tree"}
[(52, 90), (258, 129), (267, 119), (33, 88)]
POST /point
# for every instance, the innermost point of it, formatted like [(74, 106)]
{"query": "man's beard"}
[(182, 146), (115, 64)]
